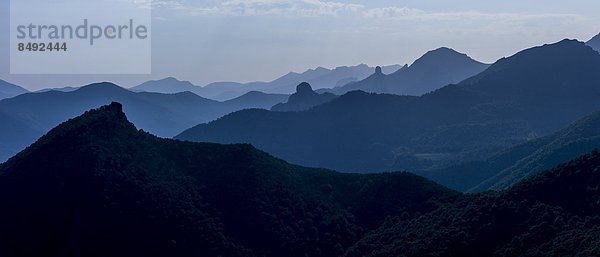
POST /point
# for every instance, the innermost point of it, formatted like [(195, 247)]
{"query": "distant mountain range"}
[(96, 184), (162, 114), (168, 85), (8, 90), (595, 42), (432, 71), (318, 78), (60, 89), (255, 100), (304, 99), (534, 93)]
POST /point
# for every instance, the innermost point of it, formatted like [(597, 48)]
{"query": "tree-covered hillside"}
[(556, 213), (96, 186), (516, 163)]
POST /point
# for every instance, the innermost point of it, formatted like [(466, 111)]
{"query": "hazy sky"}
[(205, 41)]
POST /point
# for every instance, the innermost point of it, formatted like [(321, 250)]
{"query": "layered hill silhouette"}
[(255, 100), (15, 135), (172, 85), (8, 90), (168, 85), (304, 99), (95, 185), (534, 93), (516, 163), (552, 214), (567, 144), (165, 115), (221, 91), (595, 42), (168, 112), (432, 71), (60, 89)]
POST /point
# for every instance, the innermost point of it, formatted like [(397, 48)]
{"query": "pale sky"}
[(205, 41)]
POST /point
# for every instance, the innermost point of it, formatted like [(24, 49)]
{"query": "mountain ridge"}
[(510, 165), (167, 85), (171, 113), (304, 99), (541, 216), (433, 70), (8, 90), (121, 191), (96, 184), (222, 91), (497, 109), (567, 144)]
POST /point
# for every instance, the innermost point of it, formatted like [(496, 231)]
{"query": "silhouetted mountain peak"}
[(433, 70), (168, 85), (569, 56), (560, 46), (97, 126), (378, 75), (172, 80), (441, 56), (442, 51), (304, 88), (378, 70), (111, 115), (102, 87), (101, 84), (115, 107), (566, 41), (304, 99), (94, 184)]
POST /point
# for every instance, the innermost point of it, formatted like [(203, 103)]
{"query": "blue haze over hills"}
[(432, 71), (8, 90), (318, 78), (450, 156), (438, 133), (30, 115), (95, 183), (503, 106)]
